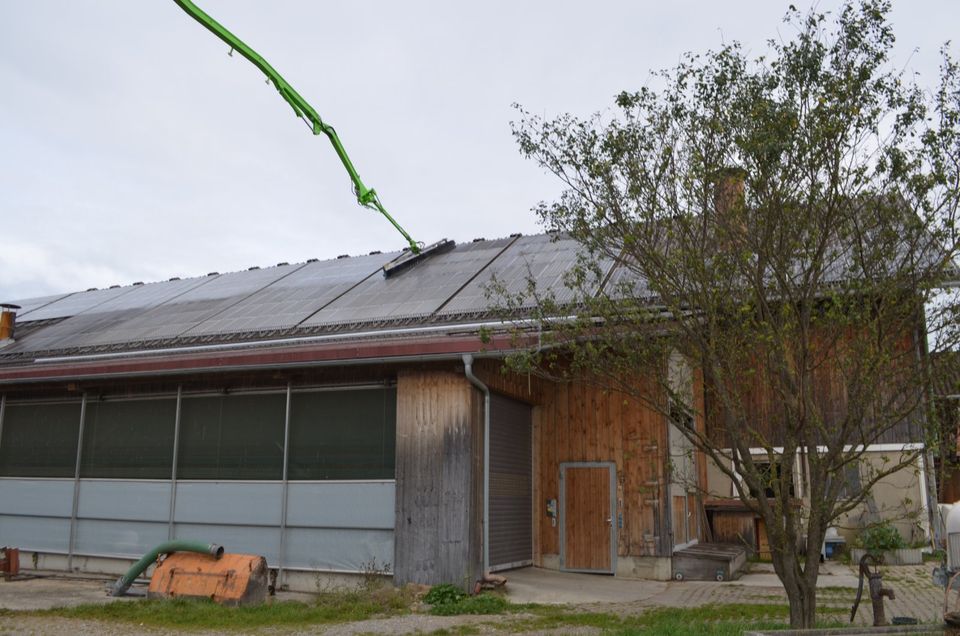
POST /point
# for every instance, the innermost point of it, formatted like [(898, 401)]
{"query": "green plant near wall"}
[(881, 537)]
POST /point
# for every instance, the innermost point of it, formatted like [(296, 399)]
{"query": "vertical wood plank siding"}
[(582, 423), (437, 497)]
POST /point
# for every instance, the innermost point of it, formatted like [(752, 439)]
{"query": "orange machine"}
[(233, 579)]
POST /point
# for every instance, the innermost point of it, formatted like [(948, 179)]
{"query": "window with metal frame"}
[(39, 439), (128, 438), (346, 434), (235, 436)]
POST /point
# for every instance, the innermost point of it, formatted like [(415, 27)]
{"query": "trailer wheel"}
[(678, 576)]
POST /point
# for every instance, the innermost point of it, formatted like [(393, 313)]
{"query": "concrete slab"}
[(831, 575), (53, 591), (536, 585)]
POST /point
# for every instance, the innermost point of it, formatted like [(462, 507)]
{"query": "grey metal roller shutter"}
[(511, 484)]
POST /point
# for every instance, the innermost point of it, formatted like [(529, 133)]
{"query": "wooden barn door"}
[(587, 511)]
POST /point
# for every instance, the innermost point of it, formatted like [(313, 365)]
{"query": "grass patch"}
[(332, 607), (721, 620)]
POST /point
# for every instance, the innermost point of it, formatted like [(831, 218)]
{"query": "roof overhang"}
[(317, 354)]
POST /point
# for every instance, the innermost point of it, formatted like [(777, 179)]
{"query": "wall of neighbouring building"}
[(899, 498)]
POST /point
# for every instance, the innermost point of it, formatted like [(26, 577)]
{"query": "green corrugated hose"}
[(123, 583)]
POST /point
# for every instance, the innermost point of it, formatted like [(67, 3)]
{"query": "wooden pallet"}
[(709, 562)]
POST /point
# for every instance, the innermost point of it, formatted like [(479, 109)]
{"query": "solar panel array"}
[(28, 305), (317, 295), (415, 292)]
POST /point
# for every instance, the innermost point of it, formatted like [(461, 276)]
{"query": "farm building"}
[(335, 420)]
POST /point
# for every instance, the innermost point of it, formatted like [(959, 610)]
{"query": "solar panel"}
[(294, 298), (73, 304), (315, 294), (32, 304), (87, 326), (417, 291), (185, 311), (540, 257)]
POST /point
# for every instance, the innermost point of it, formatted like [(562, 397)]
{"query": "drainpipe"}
[(468, 371)]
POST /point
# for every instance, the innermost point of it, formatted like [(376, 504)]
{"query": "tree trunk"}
[(803, 605), (801, 591)]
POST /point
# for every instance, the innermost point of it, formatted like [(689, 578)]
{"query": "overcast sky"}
[(132, 148)]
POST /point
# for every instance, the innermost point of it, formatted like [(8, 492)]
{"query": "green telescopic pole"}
[(367, 197)]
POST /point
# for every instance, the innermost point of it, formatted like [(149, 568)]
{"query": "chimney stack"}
[(728, 219), (8, 321), (728, 191)]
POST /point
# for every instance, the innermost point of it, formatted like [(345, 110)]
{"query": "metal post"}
[(3, 409), (468, 371), (76, 485), (173, 470), (286, 483)]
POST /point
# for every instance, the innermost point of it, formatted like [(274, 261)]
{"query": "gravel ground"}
[(916, 596)]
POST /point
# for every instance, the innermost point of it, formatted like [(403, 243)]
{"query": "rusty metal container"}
[(233, 579), (9, 562)]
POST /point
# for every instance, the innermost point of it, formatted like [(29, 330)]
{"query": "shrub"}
[(444, 594), (881, 537)]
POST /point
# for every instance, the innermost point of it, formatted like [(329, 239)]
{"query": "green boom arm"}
[(367, 197)]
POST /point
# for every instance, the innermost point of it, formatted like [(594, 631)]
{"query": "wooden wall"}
[(830, 380), (583, 423), (438, 473)]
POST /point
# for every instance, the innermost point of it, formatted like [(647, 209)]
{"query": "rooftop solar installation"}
[(28, 305), (73, 304), (416, 292), (184, 311), (294, 298), (91, 325), (541, 257), (316, 295)]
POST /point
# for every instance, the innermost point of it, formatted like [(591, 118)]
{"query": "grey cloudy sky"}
[(132, 148)]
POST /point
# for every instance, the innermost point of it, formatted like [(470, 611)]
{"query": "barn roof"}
[(338, 300)]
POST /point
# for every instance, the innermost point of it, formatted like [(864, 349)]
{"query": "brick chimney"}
[(728, 191), (728, 204), (8, 322)]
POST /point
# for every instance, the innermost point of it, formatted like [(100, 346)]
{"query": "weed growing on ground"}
[(444, 594), (485, 603)]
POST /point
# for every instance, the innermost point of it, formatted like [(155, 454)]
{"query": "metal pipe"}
[(3, 410), (379, 333), (284, 488), (468, 371), (76, 485), (124, 582), (173, 468)]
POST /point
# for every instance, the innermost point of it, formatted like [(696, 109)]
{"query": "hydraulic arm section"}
[(367, 197)]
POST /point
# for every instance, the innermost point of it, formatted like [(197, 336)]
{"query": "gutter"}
[(222, 368), (226, 346), (485, 523)]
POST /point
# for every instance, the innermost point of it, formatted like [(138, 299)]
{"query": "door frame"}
[(614, 514)]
